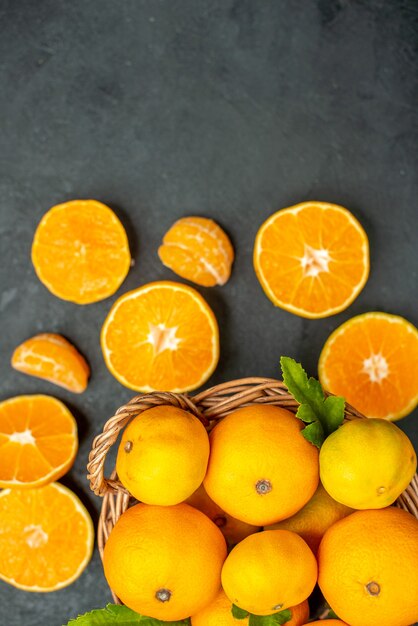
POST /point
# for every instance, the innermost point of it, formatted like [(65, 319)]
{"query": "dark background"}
[(229, 109)]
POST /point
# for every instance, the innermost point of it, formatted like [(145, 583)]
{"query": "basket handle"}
[(104, 441)]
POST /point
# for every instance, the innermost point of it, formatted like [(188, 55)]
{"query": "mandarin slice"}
[(38, 441), (80, 251), (312, 259), (46, 537), (197, 249), (372, 360), (162, 336), (53, 358)]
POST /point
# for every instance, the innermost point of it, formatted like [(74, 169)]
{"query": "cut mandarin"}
[(53, 358), (197, 249), (80, 251), (312, 259), (162, 336), (372, 360), (46, 537), (38, 441)]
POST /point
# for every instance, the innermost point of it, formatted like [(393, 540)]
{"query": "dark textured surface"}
[(229, 109)]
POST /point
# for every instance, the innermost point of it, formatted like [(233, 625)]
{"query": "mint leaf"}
[(324, 415), (238, 613), (114, 614), (270, 620)]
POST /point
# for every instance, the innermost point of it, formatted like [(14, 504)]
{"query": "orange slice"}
[(162, 336), (46, 537), (197, 249), (80, 251), (38, 441), (372, 360), (312, 259), (52, 358)]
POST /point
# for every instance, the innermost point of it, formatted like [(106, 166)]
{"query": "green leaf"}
[(332, 615), (270, 620), (114, 614), (314, 433), (324, 415), (238, 613), (334, 407)]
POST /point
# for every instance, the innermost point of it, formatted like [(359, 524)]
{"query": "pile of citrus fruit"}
[(241, 523)]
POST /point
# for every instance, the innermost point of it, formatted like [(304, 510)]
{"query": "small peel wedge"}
[(46, 537), (38, 441), (53, 358), (162, 336)]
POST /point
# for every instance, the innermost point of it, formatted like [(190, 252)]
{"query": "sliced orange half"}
[(46, 537), (197, 249), (372, 360), (312, 259), (162, 336), (80, 251), (53, 358), (38, 441)]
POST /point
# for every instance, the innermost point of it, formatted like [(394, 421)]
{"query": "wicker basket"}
[(209, 406)]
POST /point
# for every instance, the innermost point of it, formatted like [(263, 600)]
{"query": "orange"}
[(51, 357), (163, 455), (46, 537), (261, 469), (234, 530), (372, 360), (366, 464), (368, 568), (162, 336), (330, 622), (164, 562), (38, 441), (80, 251), (219, 613), (314, 518), (312, 259), (197, 249), (269, 572)]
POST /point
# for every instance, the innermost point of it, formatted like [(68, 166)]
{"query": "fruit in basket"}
[(269, 571), (162, 336), (261, 469), (53, 358), (46, 537), (372, 360), (197, 249), (80, 251), (38, 441), (164, 562), (368, 568), (219, 613), (163, 455), (234, 530), (330, 622), (312, 259), (367, 463), (314, 518)]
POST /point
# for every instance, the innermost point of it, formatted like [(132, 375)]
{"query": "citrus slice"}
[(80, 251), (53, 358), (197, 249), (372, 360), (38, 441), (162, 336), (312, 259), (46, 537)]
